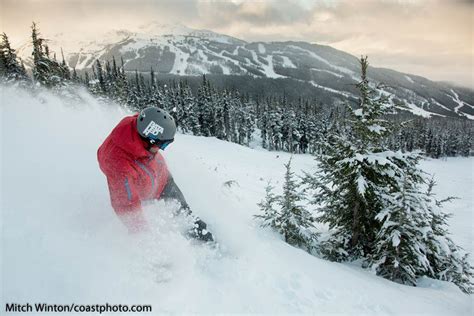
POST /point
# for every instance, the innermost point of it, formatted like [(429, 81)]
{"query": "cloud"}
[(432, 37), (259, 13), (428, 30)]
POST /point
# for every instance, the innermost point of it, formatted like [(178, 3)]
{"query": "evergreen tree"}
[(109, 79), (41, 68), (413, 238), (115, 68), (152, 78), (179, 112), (143, 87), (371, 199), (3, 66), (262, 123), (295, 221), (101, 76), (138, 87), (165, 97), (191, 119), (352, 180), (75, 78), (46, 71), (205, 110), (267, 206), (100, 85), (121, 85), (10, 68), (221, 117), (87, 79), (250, 122), (291, 220), (64, 69)]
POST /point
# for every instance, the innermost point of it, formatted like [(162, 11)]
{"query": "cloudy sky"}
[(432, 38)]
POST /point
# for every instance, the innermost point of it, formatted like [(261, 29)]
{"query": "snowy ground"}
[(62, 243)]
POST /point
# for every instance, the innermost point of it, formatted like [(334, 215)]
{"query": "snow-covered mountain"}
[(176, 49), (62, 242)]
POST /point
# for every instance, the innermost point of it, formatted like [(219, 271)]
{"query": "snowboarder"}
[(137, 172)]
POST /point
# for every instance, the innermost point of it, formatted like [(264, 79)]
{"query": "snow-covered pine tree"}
[(274, 128), (135, 93), (152, 78), (115, 70), (354, 176), (413, 240), (87, 80), (292, 220), (449, 262), (41, 67), (46, 71), (205, 111), (295, 221), (250, 122), (164, 97), (100, 77), (398, 253), (109, 79), (173, 98), (75, 78), (302, 122), (10, 68), (180, 111), (144, 89), (373, 202), (240, 116), (267, 206), (226, 114), (3, 67), (120, 84), (262, 124), (191, 116), (219, 115), (233, 124), (64, 69), (138, 86), (291, 134)]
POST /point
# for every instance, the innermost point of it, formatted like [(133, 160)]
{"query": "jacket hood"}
[(126, 137)]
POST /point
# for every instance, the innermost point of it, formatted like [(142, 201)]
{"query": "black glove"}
[(200, 232)]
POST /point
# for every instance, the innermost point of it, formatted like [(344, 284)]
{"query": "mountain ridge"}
[(179, 50)]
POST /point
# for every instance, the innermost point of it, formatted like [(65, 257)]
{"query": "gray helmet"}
[(155, 124)]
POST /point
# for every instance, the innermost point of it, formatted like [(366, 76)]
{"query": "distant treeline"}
[(284, 121)]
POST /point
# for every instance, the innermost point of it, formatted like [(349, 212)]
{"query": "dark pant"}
[(172, 192)]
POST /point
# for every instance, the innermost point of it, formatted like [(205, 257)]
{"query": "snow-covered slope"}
[(179, 50), (62, 243)]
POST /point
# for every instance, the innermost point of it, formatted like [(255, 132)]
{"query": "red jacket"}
[(133, 173)]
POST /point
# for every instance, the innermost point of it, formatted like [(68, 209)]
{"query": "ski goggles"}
[(162, 144)]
